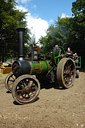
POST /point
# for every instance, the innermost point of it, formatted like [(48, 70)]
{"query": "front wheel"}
[(9, 81), (66, 73), (25, 89)]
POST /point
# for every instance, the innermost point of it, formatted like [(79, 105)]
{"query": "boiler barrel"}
[(41, 67), (22, 67)]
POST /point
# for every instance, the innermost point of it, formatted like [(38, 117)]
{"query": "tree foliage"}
[(10, 20), (78, 27), (68, 31), (57, 34)]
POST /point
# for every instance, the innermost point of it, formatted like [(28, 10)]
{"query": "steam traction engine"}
[(23, 82)]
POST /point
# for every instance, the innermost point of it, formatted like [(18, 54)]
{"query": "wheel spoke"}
[(9, 81), (13, 77), (68, 73), (19, 91), (26, 89)]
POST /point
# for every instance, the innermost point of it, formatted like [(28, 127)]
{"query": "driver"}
[(69, 53)]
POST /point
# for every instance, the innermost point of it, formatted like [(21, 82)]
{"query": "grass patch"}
[(3, 75)]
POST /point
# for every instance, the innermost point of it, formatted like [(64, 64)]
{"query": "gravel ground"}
[(55, 108)]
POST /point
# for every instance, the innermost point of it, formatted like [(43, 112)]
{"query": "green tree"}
[(64, 27), (78, 27), (10, 20), (57, 34)]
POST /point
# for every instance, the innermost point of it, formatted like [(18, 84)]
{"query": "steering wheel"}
[(58, 53)]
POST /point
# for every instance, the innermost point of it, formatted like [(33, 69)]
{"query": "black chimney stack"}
[(21, 42)]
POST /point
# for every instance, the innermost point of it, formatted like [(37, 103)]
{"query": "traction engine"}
[(24, 80)]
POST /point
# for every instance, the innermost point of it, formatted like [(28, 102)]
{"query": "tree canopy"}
[(57, 34), (68, 31), (78, 27), (10, 20)]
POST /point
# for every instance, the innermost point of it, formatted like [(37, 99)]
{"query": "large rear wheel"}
[(66, 72), (25, 89)]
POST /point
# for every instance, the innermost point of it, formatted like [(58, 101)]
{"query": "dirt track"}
[(55, 108)]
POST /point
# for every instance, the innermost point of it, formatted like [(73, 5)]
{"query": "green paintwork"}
[(41, 67), (78, 63), (59, 53)]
